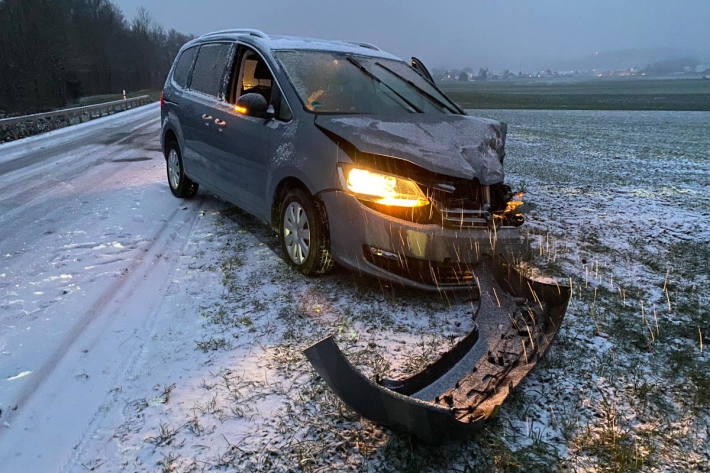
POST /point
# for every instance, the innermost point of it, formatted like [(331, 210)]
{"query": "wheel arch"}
[(284, 185), (169, 136)]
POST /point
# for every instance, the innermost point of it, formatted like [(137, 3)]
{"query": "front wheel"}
[(180, 184), (303, 229)]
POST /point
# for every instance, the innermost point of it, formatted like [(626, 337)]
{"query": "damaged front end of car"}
[(464, 222)]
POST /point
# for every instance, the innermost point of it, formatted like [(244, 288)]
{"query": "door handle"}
[(206, 117), (219, 122)]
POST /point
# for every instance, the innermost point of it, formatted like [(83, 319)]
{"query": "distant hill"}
[(671, 66)]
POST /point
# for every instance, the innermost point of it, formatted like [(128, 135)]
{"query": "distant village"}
[(674, 68)]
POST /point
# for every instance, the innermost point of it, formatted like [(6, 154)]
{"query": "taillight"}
[(162, 97)]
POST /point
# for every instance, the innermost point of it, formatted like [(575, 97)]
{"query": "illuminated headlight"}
[(382, 188)]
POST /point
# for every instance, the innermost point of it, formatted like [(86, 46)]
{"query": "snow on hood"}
[(455, 145)]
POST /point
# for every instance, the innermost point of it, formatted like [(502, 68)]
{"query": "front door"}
[(244, 141)]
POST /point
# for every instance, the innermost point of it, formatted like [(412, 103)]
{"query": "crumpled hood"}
[(455, 145)]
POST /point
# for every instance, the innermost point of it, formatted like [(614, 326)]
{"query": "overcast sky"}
[(495, 33)]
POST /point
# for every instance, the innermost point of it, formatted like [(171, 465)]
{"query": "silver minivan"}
[(353, 155)]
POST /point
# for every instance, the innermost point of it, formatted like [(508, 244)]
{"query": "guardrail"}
[(27, 125)]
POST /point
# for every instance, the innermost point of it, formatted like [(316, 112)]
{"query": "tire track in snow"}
[(33, 196), (173, 234), (94, 310), (90, 350), (137, 354)]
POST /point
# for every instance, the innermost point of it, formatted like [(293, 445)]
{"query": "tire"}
[(315, 257), (180, 185)]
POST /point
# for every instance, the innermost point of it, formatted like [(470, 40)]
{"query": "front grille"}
[(465, 204), (464, 218), (460, 207)]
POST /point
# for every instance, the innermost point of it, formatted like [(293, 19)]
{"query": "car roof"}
[(278, 42)]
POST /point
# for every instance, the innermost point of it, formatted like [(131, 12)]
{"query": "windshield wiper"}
[(456, 108), (379, 81)]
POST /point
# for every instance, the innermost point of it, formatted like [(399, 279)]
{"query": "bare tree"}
[(53, 51)]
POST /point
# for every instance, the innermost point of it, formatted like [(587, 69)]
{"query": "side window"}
[(209, 68), (184, 66), (252, 75)]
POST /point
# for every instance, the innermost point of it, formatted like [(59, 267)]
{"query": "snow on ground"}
[(141, 332)]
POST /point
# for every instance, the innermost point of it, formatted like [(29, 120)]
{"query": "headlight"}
[(382, 188)]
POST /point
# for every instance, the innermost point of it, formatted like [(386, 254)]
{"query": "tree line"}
[(54, 51)]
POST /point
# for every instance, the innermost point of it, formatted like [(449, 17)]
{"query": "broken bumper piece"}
[(516, 320)]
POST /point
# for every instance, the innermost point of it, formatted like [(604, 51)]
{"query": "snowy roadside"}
[(228, 385), (230, 389)]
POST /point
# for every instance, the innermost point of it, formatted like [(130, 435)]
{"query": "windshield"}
[(331, 82)]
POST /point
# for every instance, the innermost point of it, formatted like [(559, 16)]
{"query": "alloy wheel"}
[(173, 168), (297, 233)]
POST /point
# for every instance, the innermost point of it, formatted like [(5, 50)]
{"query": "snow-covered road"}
[(89, 237)]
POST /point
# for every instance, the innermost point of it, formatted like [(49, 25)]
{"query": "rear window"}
[(183, 66), (209, 68)]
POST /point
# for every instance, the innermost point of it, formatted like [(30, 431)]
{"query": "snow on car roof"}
[(278, 42), (294, 42)]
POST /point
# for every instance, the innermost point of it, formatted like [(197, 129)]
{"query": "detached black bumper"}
[(515, 323)]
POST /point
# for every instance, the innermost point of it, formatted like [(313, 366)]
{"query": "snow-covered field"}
[(139, 332)]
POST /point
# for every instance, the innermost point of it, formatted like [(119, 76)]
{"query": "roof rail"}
[(250, 31), (364, 45)]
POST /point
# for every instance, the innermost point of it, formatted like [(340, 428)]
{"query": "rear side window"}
[(183, 66), (209, 68)]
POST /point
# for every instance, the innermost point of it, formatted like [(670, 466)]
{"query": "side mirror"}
[(253, 105)]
